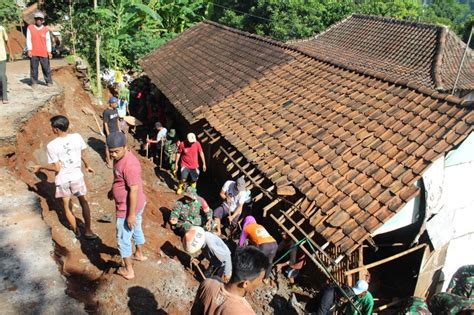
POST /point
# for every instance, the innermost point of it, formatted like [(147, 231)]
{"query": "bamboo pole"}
[(462, 61), (382, 261)]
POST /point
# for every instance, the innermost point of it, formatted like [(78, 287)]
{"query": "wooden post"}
[(361, 262)]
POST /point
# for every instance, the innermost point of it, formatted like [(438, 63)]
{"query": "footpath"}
[(30, 282)]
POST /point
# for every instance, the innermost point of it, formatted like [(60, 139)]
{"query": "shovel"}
[(90, 111)]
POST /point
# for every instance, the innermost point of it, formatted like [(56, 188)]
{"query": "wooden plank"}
[(382, 261), (286, 190)]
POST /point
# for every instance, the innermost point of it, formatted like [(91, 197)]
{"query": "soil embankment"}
[(163, 284)]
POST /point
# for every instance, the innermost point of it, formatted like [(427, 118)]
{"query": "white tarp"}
[(460, 253), (456, 217), (433, 179)]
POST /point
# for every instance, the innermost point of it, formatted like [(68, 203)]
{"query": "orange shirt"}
[(258, 234)]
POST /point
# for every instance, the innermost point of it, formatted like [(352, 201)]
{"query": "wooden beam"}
[(310, 255), (269, 206), (382, 261), (360, 262), (248, 176), (310, 239)]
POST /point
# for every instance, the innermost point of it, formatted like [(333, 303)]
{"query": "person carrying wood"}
[(188, 152), (212, 248), (190, 210)]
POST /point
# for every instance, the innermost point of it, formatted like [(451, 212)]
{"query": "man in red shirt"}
[(130, 201), (38, 44), (188, 152)]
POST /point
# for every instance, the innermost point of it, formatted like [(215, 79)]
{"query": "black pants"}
[(270, 250), (45, 66)]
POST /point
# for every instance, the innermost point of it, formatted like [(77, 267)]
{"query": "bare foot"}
[(139, 258), (127, 275)]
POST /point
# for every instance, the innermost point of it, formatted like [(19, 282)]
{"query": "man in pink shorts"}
[(65, 154)]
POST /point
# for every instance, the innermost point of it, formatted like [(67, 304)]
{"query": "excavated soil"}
[(163, 285)]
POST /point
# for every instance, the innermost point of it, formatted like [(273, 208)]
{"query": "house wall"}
[(453, 225)]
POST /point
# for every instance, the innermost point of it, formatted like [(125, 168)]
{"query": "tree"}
[(287, 19), (9, 13)]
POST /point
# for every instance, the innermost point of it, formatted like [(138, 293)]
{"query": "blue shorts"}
[(125, 235)]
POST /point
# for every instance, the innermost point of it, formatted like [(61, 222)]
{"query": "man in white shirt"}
[(234, 195), (65, 154)]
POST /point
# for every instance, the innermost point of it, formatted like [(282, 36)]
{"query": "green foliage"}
[(447, 12), (293, 19), (9, 13), (128, 29)]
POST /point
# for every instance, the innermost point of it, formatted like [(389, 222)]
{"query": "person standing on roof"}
[(259, 237), (363, 300), (234, 195), (188, 152), (38, 44), (3, 62)]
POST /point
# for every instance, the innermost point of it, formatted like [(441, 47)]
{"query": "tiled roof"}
[(352, 143), (221, 63), (426, 54)]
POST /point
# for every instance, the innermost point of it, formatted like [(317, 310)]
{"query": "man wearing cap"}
[(130, 201), (234, 195), (187, 212), (4, 43), (38, 44), (188, 152), (213, 249), (110, 117), (363, 300)]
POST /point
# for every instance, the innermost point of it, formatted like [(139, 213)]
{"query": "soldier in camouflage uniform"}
[(416, 306), (170, 148), (460, 295), (191, 210)]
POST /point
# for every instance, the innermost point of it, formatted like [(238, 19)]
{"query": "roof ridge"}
[(395, 20), (438, 59), (375, 74)]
